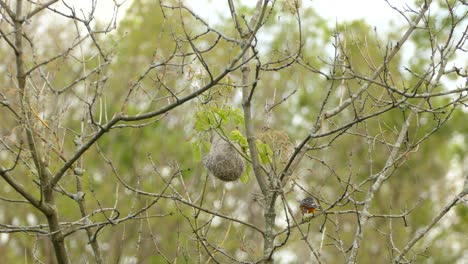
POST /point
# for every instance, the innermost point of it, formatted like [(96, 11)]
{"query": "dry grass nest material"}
[(223, 161)]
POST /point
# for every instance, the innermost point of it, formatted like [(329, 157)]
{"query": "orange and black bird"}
[(308, 205)]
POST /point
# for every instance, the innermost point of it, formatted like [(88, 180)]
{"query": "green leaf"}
[(264, 151), (202, 121), (222, 113), (245, 177), (237, 136), (205, 146), (196, 151), (237, 117)]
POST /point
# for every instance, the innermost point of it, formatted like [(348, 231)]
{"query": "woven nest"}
[(223, 161)]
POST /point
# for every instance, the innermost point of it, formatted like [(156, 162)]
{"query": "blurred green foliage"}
[(147, 157)]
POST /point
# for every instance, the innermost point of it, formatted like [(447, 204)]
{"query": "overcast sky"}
[(375, 12)]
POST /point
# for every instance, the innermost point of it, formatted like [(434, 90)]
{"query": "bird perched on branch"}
[(308, 205)]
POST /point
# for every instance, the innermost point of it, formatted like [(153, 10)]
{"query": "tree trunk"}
[(269, 236), (56, 236), (47, 202), (247, 94)]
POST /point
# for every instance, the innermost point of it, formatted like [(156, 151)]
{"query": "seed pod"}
[(223, 161)]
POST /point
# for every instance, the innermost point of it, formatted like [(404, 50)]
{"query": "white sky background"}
[(375, 12)]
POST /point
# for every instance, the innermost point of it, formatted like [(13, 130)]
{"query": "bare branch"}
[(40, 8), (421, 233)]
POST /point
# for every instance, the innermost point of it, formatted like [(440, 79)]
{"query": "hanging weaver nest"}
[(223, 161)]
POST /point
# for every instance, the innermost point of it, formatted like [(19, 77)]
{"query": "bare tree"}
[(54, 130)]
